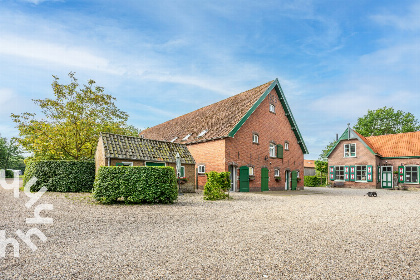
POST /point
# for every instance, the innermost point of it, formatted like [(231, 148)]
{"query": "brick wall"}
[(239, 151), (397, 162), (210, 154)]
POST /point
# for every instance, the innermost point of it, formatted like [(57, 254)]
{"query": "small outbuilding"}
[(309, 167), (122, 150)]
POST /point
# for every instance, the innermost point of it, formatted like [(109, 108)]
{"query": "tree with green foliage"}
[(73, 122), (10, 154), (218, 183), (322, 167), (325, 151), (386, 121)]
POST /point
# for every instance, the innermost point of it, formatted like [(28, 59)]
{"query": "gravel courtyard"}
[(318, 233)]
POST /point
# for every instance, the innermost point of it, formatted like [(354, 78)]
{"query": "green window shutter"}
[(332, 173), (279, 151), (346, 173), (401, 174), (378, 176), (369, 173), (182, 175), (119, 164), (352, 173)]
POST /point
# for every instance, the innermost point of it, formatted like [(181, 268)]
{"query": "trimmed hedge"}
[(314, 181), (61, 175), (138, 184), (217, 185)]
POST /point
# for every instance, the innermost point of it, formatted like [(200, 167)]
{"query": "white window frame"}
[(416, 169), (251, 171), (272, 150), (255, 138), (297, 174), (272, 108), (202, 133), (127, 163), (336, 170), (277, 172), (201, 169), (350, 145), (286, 146), (173, 140), (186, 137), (365, 166)]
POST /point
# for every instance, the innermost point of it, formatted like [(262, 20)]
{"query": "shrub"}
[(312, 181), (9, 173), (61, 175), (138, 184), (217, 185)]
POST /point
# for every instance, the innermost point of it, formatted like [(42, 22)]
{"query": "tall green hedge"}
[(314, 181), (138, 184), (9, 173), (217, 185), (61, 175)]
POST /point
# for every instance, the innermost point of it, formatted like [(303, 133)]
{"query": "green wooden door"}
[(386, 180), (264, 179), (244, 179), (294, 180)]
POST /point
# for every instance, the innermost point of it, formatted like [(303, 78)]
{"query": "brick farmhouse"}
[(121, 150), (383, 161), (253, 135)]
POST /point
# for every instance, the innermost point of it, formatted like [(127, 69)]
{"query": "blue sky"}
[(161, 59)]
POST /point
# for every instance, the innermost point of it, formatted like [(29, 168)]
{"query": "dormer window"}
[(173, 140), (186, 137), (272, 108), (202, 133), (350, 150)]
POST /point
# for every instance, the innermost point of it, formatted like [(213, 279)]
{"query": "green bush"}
[(217, 185), (138, 184), (9, 173), (61, 175), (312, 181)]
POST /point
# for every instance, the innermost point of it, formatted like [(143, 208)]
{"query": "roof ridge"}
[(137, 137)]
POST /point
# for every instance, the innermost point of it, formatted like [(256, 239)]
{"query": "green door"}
[(244, 179), (386, 177), (294, 180), (149, 163), (264, 179)]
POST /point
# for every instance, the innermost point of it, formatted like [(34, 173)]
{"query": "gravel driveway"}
[(318, 233)]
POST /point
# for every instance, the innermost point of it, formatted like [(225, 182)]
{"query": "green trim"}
[(353, 135), (400, 157), (274, 85)]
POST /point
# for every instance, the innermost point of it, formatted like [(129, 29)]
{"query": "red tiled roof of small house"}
[(396, 145)]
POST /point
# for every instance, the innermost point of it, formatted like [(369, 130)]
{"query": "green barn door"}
[(294, 180), (264, 179), (244, 179), (386, 180)]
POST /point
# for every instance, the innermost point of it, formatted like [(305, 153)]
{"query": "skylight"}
[(173, 140), (186, 137), (202, 133)]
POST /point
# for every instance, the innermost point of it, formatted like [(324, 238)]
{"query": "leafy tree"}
[(321, 167), (386, 121), (323, 155), (10, 154), (73, 121)]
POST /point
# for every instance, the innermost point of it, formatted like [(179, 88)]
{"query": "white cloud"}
[(408, 21)]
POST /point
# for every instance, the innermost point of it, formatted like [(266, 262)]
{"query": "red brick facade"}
[(240, 150)]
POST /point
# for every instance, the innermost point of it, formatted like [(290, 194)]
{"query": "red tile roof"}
[(218, 119), (308, 163), (395, 145)]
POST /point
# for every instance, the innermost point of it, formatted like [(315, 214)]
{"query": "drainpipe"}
[(109, 161)]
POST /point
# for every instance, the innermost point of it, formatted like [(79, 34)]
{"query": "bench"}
[(338, 184)]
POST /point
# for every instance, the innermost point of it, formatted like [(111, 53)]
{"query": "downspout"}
[(109, 161)]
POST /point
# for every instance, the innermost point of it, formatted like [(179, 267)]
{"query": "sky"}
[(162, 59)]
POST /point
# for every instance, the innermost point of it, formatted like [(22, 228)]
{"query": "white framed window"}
[(272, 108), (174, 139), (272, 150), (202, 133), (298, 174), (350, 150), (286, 146), (361, 173), (186, 137), (251, 171), (277, 172), (255, 138), (411, 174), (201, 169), (339, 173)]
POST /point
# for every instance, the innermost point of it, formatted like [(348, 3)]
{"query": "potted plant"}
[(277, 178)]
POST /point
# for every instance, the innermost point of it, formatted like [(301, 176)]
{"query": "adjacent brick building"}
[(383, 161), (253, 135), (122, 150)]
